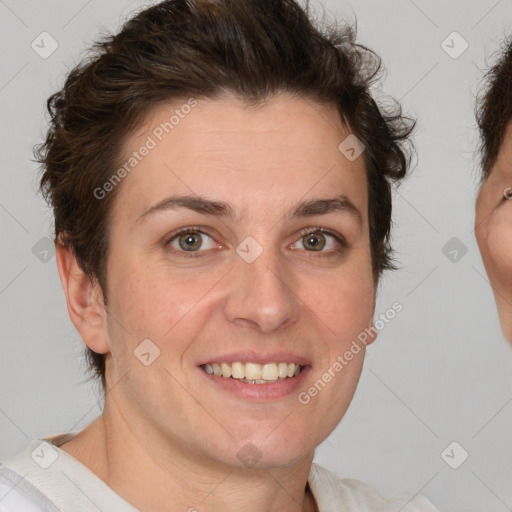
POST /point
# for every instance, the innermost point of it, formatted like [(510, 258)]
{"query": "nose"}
[(262, 294)]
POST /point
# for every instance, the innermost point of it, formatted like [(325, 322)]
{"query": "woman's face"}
[(493, 228), (252, 280)]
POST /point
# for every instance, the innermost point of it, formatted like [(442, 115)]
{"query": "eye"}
[(191, 240), (322, 241)]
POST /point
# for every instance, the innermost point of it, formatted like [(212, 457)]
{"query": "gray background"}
[(439, 372)]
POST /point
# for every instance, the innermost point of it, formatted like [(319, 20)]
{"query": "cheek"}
[(344, 301), (170, 308), (154, 299), (494, 238)]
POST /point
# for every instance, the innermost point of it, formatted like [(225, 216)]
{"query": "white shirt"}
[(44, 478)]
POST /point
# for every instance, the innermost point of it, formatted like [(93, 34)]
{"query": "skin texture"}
[(493, 228), (183, 431)]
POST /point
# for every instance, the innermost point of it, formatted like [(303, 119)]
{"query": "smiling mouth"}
[(254, 373)]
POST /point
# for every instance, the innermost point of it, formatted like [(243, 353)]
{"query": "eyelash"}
[(306, 231)]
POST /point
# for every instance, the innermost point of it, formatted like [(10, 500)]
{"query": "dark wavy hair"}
[(494, 108), (202, 49)]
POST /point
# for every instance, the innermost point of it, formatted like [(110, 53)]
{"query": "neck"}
[(154, 475)]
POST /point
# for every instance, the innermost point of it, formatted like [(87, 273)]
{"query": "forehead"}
[(276, 151)]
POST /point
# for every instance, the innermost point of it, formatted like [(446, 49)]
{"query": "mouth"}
[(256, 377), (254, 373)]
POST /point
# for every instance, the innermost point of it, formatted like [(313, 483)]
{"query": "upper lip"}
[(253, 356)]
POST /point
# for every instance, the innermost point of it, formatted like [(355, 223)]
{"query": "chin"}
[(264, 451)]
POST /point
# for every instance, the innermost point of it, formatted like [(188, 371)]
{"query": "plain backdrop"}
[(439, 373)]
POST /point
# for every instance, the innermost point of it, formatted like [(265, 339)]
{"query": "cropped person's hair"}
[(494, 108), (183, 49)]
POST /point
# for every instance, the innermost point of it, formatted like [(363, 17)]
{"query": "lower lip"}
[(271, 391)]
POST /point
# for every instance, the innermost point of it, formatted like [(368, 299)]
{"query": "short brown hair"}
[(494, 108), (199, 48)]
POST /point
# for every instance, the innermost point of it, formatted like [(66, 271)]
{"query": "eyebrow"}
[(203, 205)]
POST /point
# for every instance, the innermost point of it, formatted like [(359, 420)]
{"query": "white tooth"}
[(283, 370), (226, 370), (252, 371), (237, 369), (269, 371)]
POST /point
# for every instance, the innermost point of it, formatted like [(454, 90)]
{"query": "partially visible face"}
[(261, 286), (493, 228)]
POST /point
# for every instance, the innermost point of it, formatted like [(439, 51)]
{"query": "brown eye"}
[(314, 241), (191, 241), (321, 241)]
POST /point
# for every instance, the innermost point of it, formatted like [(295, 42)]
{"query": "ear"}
[(84, 301)]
